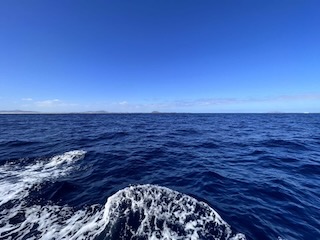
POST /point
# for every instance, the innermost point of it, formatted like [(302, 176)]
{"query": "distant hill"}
[(35, 112), (16, 112), (96, 112)]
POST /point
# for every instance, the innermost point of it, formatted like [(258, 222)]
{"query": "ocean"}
[(160, 176)]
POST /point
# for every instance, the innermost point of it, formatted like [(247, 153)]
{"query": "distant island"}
[(35, 112), (21, 112), (96, 112), (18, 112)]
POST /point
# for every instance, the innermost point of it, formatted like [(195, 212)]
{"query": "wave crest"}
[(15, 181), (154, 212), (19, 220), (135, 212)]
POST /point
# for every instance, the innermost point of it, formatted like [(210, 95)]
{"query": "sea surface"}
[(160, 176)]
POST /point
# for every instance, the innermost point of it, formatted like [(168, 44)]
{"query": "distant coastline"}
[(18, 112), (22, 112), (36, 112)]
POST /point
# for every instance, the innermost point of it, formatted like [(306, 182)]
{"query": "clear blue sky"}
[(165, 55)]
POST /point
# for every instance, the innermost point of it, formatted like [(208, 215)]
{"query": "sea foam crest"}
[(18, 219), (136, 212), (15, 181), (154, 212)]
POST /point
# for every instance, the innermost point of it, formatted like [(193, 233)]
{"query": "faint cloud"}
[(26, 99), (207, 102), (53, 103), (48, 103), (298, 97), (231, 101), (123, 103), (279, 102)]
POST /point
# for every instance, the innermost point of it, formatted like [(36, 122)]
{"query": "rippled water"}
[(160, 176)]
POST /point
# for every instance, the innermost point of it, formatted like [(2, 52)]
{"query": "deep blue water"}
[(259, 172)]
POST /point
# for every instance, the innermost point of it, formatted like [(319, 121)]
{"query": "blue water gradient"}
[(260, 172)]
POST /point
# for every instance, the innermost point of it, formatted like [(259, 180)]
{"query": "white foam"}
[(162, 213), (15, 182), (51, 222)]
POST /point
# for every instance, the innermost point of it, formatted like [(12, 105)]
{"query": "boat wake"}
[(136, 212), (154, 212)]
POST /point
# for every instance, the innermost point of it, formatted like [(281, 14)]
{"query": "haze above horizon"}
[(167, 56)]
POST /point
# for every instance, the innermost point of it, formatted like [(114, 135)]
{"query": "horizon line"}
[(101, 112)]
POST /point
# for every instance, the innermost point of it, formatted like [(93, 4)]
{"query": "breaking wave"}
[(154, 212), (135, 212)]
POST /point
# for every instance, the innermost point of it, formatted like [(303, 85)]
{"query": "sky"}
[(160, 55)]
